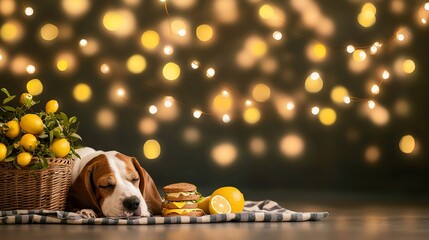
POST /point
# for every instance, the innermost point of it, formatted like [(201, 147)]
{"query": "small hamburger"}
[(181, 200)]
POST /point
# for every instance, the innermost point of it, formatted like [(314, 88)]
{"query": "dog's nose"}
[(131, 203)]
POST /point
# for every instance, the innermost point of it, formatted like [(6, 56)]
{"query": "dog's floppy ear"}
[(148, 189), (82, 192)]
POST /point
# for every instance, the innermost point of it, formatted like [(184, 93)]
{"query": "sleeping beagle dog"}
[(112, 185)]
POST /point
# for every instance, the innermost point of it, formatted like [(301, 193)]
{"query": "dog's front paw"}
[(87, 213)]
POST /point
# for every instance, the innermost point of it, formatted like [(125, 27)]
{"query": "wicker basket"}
[(35, 189)]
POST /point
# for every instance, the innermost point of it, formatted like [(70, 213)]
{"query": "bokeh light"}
[(120, 22), (35, 87), (407, 144), (313, 83), (338, 93), (292, 146), (204, 32), (327, 116), (226, 11), (222, 103), (316, 52), (251, 115), (257, 146), (372, 154), (11, 31), (76, 8), (49, 32), (7, 7), (82, 92), (136, 64), (106, 118), (151, 149), (171, 71), (149, 39), (261, 92), (191, 135), (148, 126), (409, 66), (224, 154)]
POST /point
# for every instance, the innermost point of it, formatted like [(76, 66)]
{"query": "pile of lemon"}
[(222, 201), (21, 136)]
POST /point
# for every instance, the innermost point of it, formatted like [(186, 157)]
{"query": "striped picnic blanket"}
[(262, 211)]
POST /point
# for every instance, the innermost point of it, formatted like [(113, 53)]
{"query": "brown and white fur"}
[(112, 185)]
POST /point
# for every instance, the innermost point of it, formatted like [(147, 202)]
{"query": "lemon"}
[(234, 197), (60, 147), (25, 99), (14, 129), (29, 142), (51, 106), (23, 158), (31, 123), (3, 151), (219, 205), (204, 204)]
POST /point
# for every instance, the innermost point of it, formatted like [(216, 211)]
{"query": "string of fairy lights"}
[(177, 32)]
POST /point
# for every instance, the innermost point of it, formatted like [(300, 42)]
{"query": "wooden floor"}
[(346, 221)]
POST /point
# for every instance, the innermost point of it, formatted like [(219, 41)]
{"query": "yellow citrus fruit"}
[(14, 129), (29, 142), (234, 197), (219, 205), (204, 204), (51, 106), (60, 147), (31, 123), (3, 151), (24, 98), (23, 158)]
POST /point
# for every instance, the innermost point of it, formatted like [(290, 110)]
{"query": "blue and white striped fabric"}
[(262, 211)]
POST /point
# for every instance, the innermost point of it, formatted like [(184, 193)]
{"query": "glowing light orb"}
[(119, 22), (347, 100), (261, 92), (149, 39), (316, 52), (62, 65), (315, 110), (408, 66), (407, 144), (257, 146), (371, 104), (11, 31), (204, 32), (277, 35), (375, 89), (168, 101), (338, 94), (104, 68), (372, 154), (82, 92), (313, 83), (350, 48), (385, 75), (106, 118), (251, 115), (226, 118), (366, 19), (292, 146), (256, 47), (136, 64), (222, 103), (171, 71), (83, 42), (290, 106), (226, 11), (76, 8), (29, 11), (266, 11), (224, 154), (153, 109), (34, 87), (148, 126), (191, 135), (30, 69), (327, 116), (168, 50), (49, 32), (195, 64), (369, 7), (197, 113), (210, 72), (7, 7), (151, 149), (359, 55)]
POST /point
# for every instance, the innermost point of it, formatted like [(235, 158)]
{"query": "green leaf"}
[(64, 117), (10, 159), (72, 120), (43, 136), (5, 91), (51, 136), (16, 165), (75, 136), (8, 99), (44, 162), (8, 108)]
